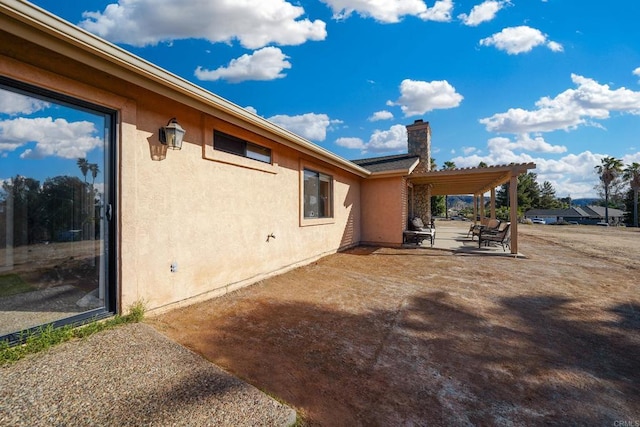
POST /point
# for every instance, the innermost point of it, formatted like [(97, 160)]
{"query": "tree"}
[(609, 172), (565, 202), (631, 174), (448, 165), (548, 198), (61, 197), (629, 202), (83, 164), (24, 196), (93, 167), (437, 206), (482, 165), (528, 192)]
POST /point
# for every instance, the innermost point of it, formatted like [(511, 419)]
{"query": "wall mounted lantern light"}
[(171, 135)]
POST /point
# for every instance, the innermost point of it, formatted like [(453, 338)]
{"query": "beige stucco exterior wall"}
[(384, 210), (208, 213)]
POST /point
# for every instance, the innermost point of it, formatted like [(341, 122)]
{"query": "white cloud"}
[(569, 175), (572, 174), (636, 72), (467, 150), (393, 139), (524, 142), (264, 64), (251, 109), (381, 141), (254, 23), (351, 143), (13, 103), (482, 12), (57, 137), (381, 115), (516, 40), (555, 46), (418, 97), (440, 12), (391, 11), (568, 110), (310, 125)]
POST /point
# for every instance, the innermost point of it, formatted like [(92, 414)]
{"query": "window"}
[(240, 147), (317, 195), (55, 210)]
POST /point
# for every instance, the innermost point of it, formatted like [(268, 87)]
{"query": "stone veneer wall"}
[(419, 144)]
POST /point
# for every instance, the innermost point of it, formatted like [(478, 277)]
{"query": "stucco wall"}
[(384, 210), (208, 214), (212, 214)]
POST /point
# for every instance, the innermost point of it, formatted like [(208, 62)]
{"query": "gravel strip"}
[(130, 376)]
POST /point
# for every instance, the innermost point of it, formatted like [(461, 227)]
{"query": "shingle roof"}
[(553, 212), (581, 211), (595, 212), (600, 211), (398, 162)]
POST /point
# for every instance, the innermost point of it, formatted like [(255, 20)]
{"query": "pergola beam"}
[(476, 182)]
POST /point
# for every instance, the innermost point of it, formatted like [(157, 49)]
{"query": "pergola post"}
[(481, 205), (475, 208), (513, 208), (492, 204)]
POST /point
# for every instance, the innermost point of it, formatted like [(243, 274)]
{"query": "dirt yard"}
[(424, 337)]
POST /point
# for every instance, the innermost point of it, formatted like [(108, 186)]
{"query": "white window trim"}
[(306, 222), (210, 153)]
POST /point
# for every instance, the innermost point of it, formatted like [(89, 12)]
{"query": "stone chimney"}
[(419, 144)]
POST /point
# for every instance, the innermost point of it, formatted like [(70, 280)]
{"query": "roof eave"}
[(151, 77), (401, 172)]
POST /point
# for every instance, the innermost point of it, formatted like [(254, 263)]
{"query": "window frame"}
[(320, 172), (112, 244), (245, 146)]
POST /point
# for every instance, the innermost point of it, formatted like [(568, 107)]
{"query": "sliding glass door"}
[(56, 202)]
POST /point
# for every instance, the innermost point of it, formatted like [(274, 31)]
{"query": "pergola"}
[(478, 181)]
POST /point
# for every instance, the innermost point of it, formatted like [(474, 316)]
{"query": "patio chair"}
[(490, 224), (418, 232), (476, 224), (502, 236)]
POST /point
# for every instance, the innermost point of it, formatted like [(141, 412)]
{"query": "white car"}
[(538, 221)]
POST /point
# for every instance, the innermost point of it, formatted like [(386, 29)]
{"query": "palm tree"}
[(83, 164), (608, 171), (448, 165), (93, 167), (632, 174)]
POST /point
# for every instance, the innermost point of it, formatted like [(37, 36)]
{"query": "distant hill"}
[(585, 201), (464, 201)]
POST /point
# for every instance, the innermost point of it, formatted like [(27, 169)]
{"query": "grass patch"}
[(12, 284), (48, 336)]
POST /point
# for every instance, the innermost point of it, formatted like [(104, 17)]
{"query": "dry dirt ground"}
[(380, 336)]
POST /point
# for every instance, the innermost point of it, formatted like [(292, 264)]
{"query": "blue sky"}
[(555, 82)]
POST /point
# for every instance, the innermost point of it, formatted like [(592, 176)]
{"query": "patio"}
[(382, 336), (454, 237)]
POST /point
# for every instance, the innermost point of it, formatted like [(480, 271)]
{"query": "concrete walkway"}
[(130, 376)]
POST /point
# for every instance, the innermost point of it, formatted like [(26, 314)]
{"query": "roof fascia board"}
[(76, 43), (515, 168)]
